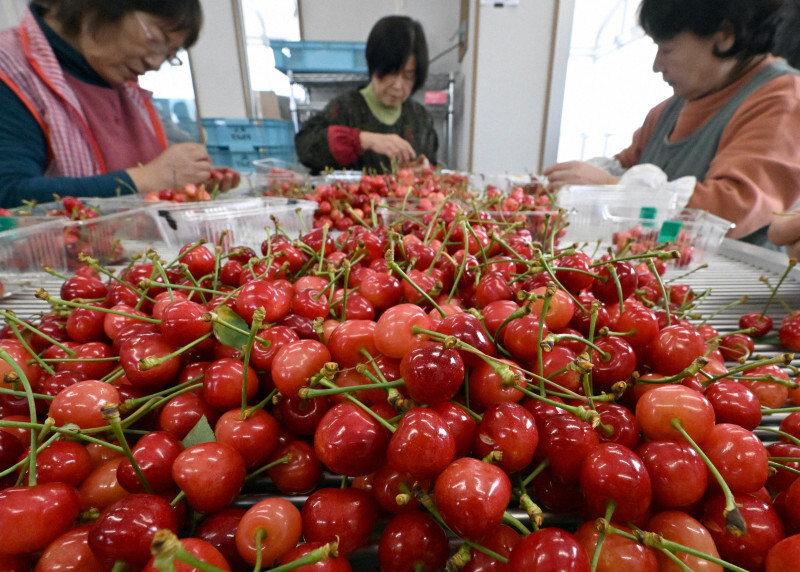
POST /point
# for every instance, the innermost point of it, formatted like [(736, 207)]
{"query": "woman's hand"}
[(180, 164), (785, 231), (389, 144), (578, 173)]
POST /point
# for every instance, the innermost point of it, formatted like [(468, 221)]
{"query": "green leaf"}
[(200, 433), (232, 336)]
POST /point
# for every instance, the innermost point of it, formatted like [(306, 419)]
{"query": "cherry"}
[(86, 324), (352, 341), (201, 550), (281, 523), (427, 361), (63, 461), (301, 415), (210, 474), (468, 329), (300, 473), (199, 260), (488, 387), (510, 429), (393, 331), (460, 423), (565, 441), (616, 363), (738, 455), (254, 436), (501, 540), (332, 563), (679, 527), (616, 552), (491, 288), (769, 393), (734, 403), (182, 322), (412, 541), (554, 366), (495, 313), (70, 551), (155, 347), (263, 294), (347, 515), (784, 555), (81, 404), (521, 337), (471, 496), (781, 479), (101, 488), (85, 287), (421, 445), (657, 408), (392, 489), (154, 454), (549, 549), (760, 324), (272, 339), (219, 530), (380, 289), (32, 517), (636, 321), (125, 530), (296, 362), (670, 462), (764, 530), (224, 381), (573, 272), (736, 346), (349, 441), (674, 348), (182, 412), (605, 287)]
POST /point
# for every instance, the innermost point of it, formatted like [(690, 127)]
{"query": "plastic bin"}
[(694, 233), (319, 57), (275, 177), (596, 212), (243, 160), (242, 222), (248, 134)]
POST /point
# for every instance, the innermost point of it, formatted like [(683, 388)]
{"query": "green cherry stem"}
[(6, 357), (733, 518), (110, 413), (167, 548)]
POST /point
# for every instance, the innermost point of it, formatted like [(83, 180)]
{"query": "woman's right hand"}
[(389, 144), (785, 231), (180, 164)]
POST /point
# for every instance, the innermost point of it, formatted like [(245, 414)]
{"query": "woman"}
[(377, 127), (73, 120), (734, 117)]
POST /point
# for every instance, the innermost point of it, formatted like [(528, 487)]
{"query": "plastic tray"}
[(248, 134), (57, 242), (694, 233), (242, 222), (319, 57), (275, 177), (597, 212)]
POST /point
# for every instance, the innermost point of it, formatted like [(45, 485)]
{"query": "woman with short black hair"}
[(377, 127), (73, 119), (733, 119)]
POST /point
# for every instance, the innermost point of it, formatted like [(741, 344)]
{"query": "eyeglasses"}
[(159, 45)]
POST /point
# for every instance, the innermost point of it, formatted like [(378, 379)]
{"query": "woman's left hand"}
[(578, 173)]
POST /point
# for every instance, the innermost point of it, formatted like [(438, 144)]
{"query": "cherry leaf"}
[(200, 433), (230, 336)]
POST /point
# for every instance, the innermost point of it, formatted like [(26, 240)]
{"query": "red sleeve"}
[(344, 143)]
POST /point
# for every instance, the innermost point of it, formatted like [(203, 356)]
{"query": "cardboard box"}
[(273, 106)]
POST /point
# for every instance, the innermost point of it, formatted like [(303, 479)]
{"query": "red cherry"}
[(739, 456), (565, 441), (300, 473), (421, 445), (210, 474), (347, 515), (125, 530), (70, 551), (224, 382), (760, 324), (154, 454), (331, 564), (155, 347), (393, 331), (352, 341), (296, 362), (734, 403), (281, 523), (784, 556), (681, 528), (81, 404), (510, 429), (657, 408), (412, 541), (219, 530), (63, 461), (674, 348), (431, 360), (669, 462), (616, 552), (349, 441), (472, 496), (32, 517), (201, 550), (549, 549)]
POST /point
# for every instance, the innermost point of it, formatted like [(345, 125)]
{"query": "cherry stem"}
[(329, 384), (14, 322), (664, 296), (514, 522), (42, 294), (394, 267), (610, 507), (154, 361), (263, 468), (255, 326), (783, 434), (329, 550), (310, 393), (110, 413), (167, 548), (24, 461), (6, 357), (733, 518), (533, 511), (792, 263), (741, 300)]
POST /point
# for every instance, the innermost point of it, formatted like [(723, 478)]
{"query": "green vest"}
[(692, 155)]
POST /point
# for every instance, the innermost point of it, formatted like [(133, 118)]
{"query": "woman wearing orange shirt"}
[(733, 119)]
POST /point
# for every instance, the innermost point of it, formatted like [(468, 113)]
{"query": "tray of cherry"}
[(431, 400)]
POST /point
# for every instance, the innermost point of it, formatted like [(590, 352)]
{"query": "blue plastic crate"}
[(243, 160), (248, 134), (319, 57)]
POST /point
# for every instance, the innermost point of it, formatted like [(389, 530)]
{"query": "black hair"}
[(752, 21), (392, 40), (180, 15)]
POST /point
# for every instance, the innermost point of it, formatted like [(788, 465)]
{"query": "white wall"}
[(11, 12)]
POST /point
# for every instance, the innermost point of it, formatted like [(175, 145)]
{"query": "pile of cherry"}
[(443, 393)]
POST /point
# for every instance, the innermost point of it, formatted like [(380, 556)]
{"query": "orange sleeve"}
[(756, 170)]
